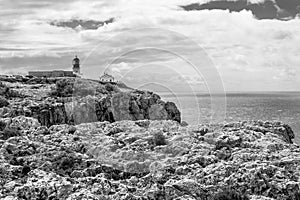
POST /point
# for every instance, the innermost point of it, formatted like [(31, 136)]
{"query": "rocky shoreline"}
[(74, 101), (131, 145)]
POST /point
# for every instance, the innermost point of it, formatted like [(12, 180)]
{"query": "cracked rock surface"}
[(148, 159)]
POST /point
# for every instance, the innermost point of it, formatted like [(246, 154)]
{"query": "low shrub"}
[(65, 162), (64, 88), (111, 87), (83, 87), (100, 89), (158, 139)]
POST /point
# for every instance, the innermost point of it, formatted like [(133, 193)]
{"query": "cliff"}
[(69, 139), (74, 101)]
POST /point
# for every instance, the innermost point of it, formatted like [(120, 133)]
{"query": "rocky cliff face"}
[(68, 139), (74, 101), (147, 159), (129, 105)]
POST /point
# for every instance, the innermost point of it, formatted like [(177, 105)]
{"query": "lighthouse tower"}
[(76, 65)]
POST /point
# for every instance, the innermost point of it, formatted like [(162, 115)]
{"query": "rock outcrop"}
[(147, 159), (72, 101)]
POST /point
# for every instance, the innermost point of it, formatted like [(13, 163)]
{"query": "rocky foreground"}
[(52, 148), (148, 160)]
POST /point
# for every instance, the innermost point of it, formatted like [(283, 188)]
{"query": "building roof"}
[(37, 71), (106, 76), (76, 59)]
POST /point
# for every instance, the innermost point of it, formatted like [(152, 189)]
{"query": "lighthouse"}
[(76, 65)]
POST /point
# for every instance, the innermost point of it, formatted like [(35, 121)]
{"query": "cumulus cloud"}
[(121, 67), (236, 42), (268, 9)]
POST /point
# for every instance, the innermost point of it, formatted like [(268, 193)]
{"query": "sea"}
[(241, 106)]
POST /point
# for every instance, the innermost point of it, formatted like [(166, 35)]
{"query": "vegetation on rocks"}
[(69, 87), (159, 139), (64, 88)]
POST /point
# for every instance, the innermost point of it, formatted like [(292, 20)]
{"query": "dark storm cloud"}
[(85, 24), (277, 9)]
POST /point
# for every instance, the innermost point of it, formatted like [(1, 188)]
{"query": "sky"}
[(178, 45)]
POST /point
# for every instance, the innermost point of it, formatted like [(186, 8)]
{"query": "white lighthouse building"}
[(107, 78)]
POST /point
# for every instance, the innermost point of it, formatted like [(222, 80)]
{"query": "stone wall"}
[(58, 73)]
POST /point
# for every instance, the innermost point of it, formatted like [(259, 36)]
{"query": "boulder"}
[(173, 112), (23, 122)]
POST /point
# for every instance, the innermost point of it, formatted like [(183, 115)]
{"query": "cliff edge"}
[(74, 101)]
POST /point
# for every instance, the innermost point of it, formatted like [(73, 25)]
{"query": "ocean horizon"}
[(240, 106)]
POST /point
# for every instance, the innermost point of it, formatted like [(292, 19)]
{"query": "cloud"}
[(161, 77), (83, 24), (14, 49), (286, 74), (248, 52), (43, 62), (268, 9), (120, 68)]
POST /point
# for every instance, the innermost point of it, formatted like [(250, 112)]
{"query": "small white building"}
[(106, 78)]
